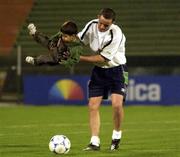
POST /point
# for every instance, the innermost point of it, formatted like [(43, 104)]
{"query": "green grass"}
[(148, 131)]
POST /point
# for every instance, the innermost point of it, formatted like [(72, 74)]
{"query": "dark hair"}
[(69, 28), (108, 13)]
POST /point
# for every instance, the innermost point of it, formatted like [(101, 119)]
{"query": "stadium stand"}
[(12, 15), (151, 27)]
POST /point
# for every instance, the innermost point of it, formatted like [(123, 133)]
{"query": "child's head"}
[(69, 31)]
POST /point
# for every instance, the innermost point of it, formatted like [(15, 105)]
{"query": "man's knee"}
[(117, 101), (94, 103), (117, 105), (93, 106)]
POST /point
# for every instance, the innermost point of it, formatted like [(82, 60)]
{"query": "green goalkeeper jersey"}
[(75, 48)]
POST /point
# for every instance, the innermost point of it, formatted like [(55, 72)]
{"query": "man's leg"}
[(94, 122), (94, 117), (118, 114)]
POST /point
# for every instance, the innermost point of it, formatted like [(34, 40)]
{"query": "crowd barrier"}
[(146, 90)]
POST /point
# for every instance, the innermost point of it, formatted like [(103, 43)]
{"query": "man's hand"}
[(32, 29)]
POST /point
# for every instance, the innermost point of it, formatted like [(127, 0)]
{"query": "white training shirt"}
[(109, 44)]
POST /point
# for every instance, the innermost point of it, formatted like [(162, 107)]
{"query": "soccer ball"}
[(59, 144)]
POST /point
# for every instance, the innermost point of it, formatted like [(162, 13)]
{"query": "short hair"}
[(69, 28), (108, 13)]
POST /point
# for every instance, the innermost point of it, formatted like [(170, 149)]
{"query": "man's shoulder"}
[(116, 29), (94, 21)]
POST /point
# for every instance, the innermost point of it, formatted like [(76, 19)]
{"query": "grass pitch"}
[(148, 131)]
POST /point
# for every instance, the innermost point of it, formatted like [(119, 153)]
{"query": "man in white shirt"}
[(109, 75)]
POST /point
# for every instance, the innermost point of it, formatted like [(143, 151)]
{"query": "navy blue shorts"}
[(104, 82)]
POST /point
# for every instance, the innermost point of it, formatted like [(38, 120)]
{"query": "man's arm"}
[(93, 59)]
